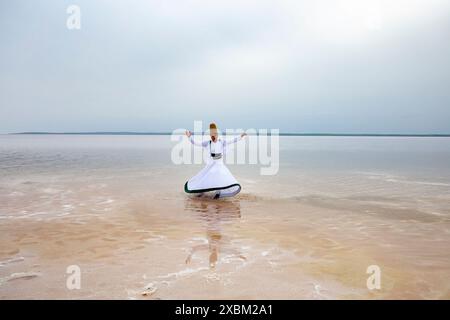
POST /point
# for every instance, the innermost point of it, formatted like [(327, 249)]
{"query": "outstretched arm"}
[(194, 249), (191, 140), (235, 139)]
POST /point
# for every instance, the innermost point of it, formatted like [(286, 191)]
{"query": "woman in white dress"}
[(215, 176)]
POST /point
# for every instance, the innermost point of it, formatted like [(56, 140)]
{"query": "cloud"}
[(295, 65)]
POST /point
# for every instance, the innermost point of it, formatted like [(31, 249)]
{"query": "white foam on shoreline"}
[(19, 275), (184, 272), (397, 179), (11, 260)]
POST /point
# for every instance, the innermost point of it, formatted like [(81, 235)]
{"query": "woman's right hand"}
[(188, 133)]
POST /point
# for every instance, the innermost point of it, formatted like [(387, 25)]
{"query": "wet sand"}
[(302, 234)]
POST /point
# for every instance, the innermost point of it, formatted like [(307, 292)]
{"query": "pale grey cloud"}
[(315, 66)]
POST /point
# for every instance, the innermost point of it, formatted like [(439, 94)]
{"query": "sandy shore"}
[(227, 249), (136, 235)]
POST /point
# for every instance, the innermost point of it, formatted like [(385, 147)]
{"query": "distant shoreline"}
[(281, 134)]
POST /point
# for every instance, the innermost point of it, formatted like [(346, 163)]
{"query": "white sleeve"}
[(234, 140), (200, 144)]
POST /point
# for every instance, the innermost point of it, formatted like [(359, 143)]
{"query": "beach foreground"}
[(115, 207)]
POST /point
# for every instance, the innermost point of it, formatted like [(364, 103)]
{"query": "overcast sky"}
[(299, 66)]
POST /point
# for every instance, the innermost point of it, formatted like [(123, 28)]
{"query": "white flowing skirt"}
[(214, 177)]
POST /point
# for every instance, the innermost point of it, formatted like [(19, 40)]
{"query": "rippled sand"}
[(114, 206)]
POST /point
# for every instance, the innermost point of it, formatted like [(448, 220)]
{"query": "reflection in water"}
[(213, 214)]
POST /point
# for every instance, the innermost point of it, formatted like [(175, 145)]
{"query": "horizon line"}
[(280, 134)]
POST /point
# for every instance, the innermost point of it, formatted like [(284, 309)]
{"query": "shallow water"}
[(115, 206)]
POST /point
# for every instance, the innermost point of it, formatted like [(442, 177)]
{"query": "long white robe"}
[(215, 176)]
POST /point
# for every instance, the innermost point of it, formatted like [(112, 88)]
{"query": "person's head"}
[(214, 238), (213, 132), (213, 258)]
